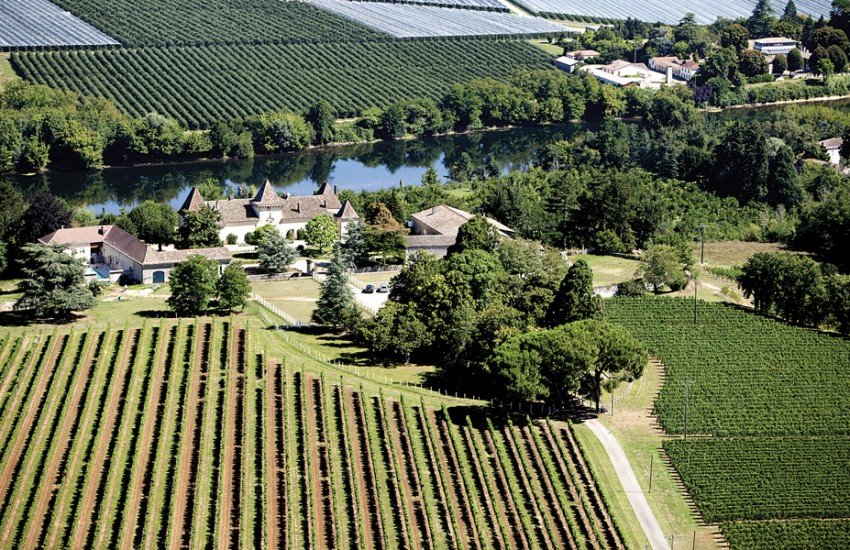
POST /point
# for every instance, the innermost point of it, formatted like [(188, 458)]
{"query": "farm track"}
[(112, 435)]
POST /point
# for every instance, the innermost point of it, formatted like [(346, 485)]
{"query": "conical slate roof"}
[(194, 201), (266, 193)]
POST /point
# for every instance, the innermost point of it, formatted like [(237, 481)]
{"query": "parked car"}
[(383, 288), (368, 289)]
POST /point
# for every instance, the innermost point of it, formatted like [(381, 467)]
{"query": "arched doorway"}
[(158, 277)]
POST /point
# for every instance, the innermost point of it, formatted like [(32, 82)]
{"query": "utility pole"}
[(651, 457), (696, 286), (702, 244)]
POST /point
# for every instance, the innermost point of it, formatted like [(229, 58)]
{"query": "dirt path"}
[(187, 450), (138, 490), (86, 512), (630, 485), (368, 496), (52, 472)]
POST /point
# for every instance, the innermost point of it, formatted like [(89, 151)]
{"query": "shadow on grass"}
[(26, 318)]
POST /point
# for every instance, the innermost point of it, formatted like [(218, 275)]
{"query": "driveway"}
[(630, 485), (373, 302)]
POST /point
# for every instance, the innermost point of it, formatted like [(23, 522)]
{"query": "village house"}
[(570, 61), (672, 66), (109, 252), (434, 230), (625, 73), (773, 45), (288, 213), (833, 149)]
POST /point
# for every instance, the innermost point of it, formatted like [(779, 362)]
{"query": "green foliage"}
[(476, 234), (257, 236), (395, 333), (321, 117), (233, 288), (193, 286), (662, 267), (785, 284), (762, 19), (45, 215), (154, 222), (789, 534), (355, 248), (321, 232), (575, 299), (278, 132), (752, 63), (735, 36), (795, 60), (276, 253), (53, 283), (336, 307), (200, 228)]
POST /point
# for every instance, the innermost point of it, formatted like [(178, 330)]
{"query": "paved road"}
[(630, 485), (372, 302)]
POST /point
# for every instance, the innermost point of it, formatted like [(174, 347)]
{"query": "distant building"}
[(773, 45), (833, 149), (625, 73), (288, 213), (109, 252), (672, 66), (434, 230), (570, 61)]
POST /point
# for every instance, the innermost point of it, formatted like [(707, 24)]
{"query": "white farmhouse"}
[(287, 214), (773, 45), (109, 252), (833, 149), (434, 230)]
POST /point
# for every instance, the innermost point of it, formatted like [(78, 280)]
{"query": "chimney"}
[(433, 210), (298, 207), (669, 75), (101, 231), (336, 189)]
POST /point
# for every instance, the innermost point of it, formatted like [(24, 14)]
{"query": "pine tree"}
[(275, 253), (575, 299), (761, 20), (52, 283), (789, 14), (200, 228), (336, 307)]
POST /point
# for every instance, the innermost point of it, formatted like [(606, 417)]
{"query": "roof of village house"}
[(291, 207), (430, 241), (690, 64), (446, 220), (583, 53), (128, 245), (668, 60), (194, 201), (832, 143), (157, 257), (774, 40)]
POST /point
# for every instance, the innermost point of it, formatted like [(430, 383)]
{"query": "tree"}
[(575, 299), (278, 132), (779, 65), (789, 14), (761, 20), (662, 266), (752, 63), (384, 235), (355, 248), (838, 58), (336, 306), (155, 134), (785, 284), (12, 208), (782, 183), (741, 163), (45, 215), (154, 222), (840, 15), (395, 333), (321, 232), (200, 228), (825, 37), (795, 60), (321, 117), (838, 292), (276, 254), (735, 36), (193, 286), (53, 283), (257, 236), (233, 288), (824, 67), (476, 233)]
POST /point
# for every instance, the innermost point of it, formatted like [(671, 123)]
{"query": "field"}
[(26, 23), (183, 434), (667, 11), (199, 85), (414, 21), (769, 405), (214, 22)]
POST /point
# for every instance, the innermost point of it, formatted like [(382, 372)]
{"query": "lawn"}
[(609, 270), (376, 278), (543, 44), (296, 297), (7, 74), (731, 253)]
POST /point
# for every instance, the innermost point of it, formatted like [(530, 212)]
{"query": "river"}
[(356, 167)]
